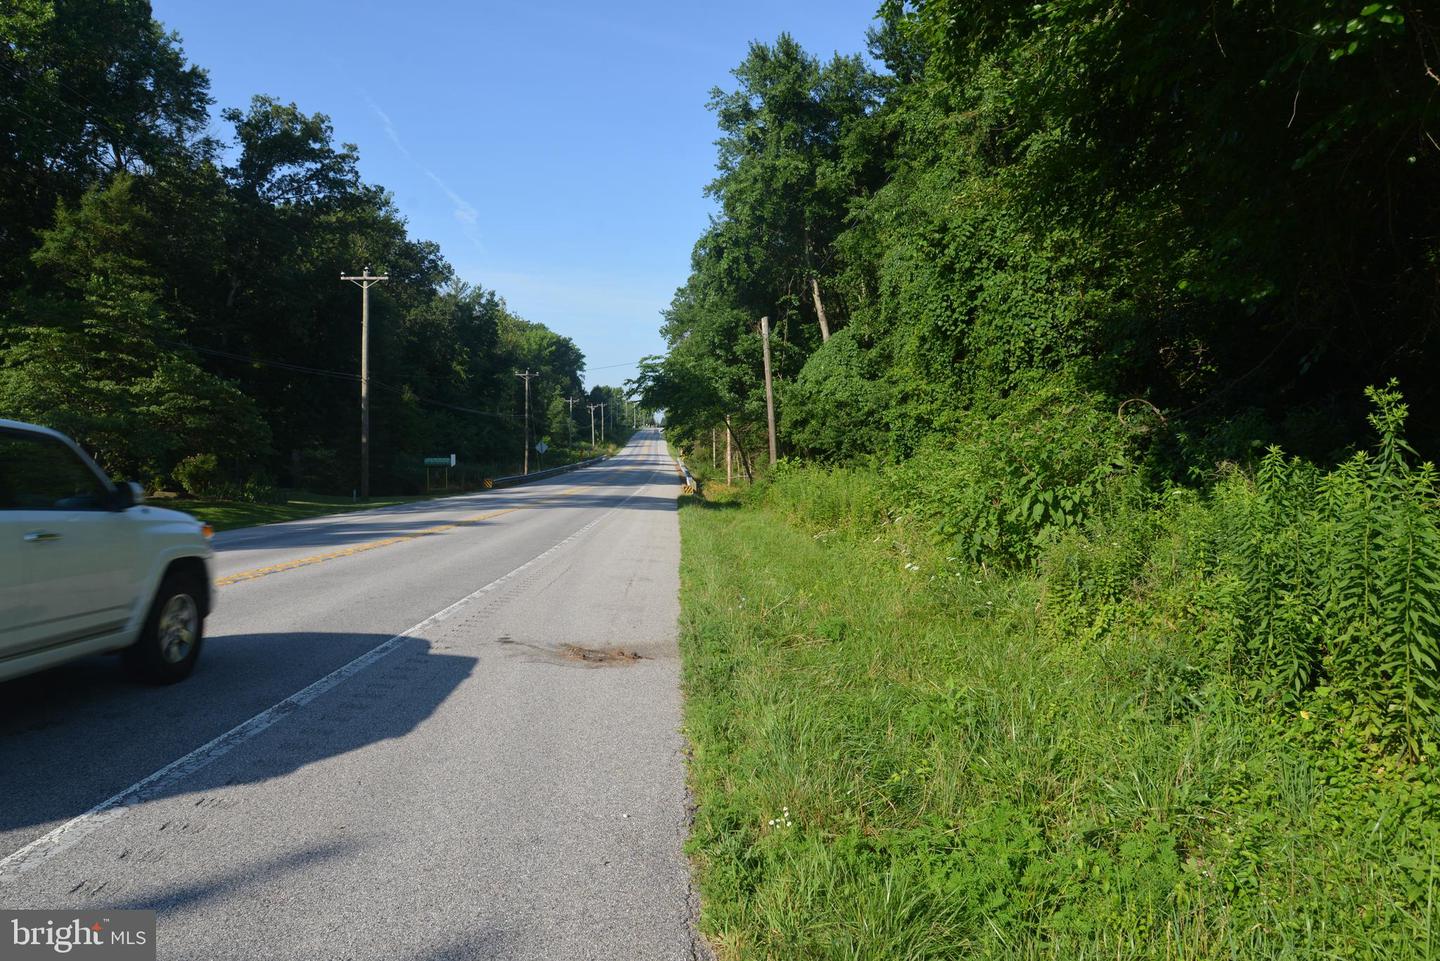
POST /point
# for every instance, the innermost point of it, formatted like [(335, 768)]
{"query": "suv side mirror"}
[(128, 494)]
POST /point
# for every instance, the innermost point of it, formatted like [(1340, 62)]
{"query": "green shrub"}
[(1037, 465), (199, 475), (837, 406), (260, 489), (1300, 583)]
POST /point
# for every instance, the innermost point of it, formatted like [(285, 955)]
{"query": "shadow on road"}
[(77, 735), (241, 884)]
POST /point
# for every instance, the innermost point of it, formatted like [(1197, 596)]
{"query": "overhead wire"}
[(339, 375)]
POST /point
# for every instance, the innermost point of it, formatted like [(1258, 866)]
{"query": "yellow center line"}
[(373, 545)]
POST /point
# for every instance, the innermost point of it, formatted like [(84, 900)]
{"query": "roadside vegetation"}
[(170, 289), (1092, 609), (1188, 724)]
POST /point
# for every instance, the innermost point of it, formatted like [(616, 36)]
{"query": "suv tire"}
[(169, 642)]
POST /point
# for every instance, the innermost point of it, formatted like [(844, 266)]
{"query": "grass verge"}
[(896, 759), (298, 505)]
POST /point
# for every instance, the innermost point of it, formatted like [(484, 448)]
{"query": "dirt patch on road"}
[(575, 653), (590, 655)]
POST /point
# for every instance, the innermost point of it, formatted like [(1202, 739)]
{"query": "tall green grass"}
[(1179, 724)]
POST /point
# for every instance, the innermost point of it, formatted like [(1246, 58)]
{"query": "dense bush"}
[(200, 475), (1306, 583), (1011, 476)]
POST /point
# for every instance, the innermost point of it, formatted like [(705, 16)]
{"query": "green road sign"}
[(440, 461)]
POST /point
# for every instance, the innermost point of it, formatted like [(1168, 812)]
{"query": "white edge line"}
[(81, 826)]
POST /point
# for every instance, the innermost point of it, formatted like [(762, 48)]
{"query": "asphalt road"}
[(445, 730)]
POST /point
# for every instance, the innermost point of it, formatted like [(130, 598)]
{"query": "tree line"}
[(1221, 221), (170, 292)]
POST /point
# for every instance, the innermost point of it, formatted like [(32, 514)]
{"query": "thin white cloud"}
[(463, 211)]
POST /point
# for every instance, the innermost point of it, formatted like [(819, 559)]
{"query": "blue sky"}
[(556, 151)]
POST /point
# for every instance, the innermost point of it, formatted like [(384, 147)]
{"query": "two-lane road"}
[(444, 730)]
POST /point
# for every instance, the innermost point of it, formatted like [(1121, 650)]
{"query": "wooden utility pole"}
[(365, 281), (769, 389), (525, 375), (570, 420), (592, 424)]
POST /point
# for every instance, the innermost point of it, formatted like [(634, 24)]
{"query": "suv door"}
[(12, 591), (75, 551)]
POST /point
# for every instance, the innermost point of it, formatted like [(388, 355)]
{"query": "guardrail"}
[(514, 480), (690, 485)]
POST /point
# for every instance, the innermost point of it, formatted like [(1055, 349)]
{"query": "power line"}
[(339, 374), (244, 358)]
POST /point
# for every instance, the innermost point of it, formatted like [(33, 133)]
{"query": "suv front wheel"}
[(169, 642)]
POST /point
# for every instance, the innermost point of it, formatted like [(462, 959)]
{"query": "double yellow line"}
[(386, 542)]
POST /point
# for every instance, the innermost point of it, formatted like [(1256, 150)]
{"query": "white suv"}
[(85, 568)]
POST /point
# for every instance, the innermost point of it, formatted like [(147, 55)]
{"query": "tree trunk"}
[(729, 457), (769, 388), (819, 308), (744, 458)]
